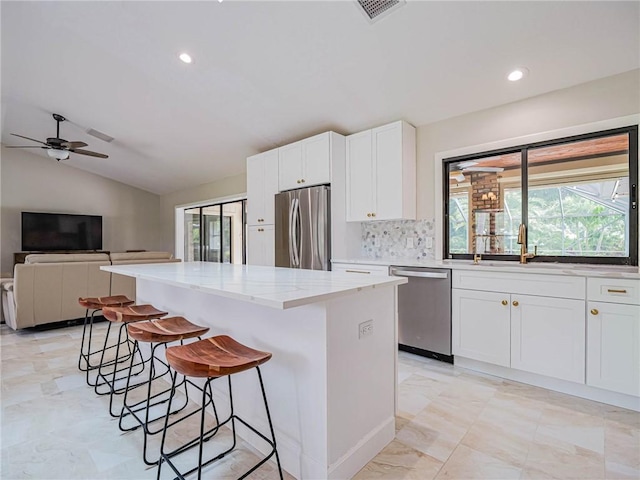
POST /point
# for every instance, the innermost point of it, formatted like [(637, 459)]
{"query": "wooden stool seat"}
[(132, 313), (214, 357), (165, 330), (97, 303)]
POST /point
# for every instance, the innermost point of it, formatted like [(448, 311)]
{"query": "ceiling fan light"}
[(58, 154)]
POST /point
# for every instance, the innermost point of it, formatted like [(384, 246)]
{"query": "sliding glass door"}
[(215, 233)]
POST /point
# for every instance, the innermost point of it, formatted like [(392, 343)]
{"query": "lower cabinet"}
[(548, 336), (533, 333), (613, 348), (481, 326), (261, 245)]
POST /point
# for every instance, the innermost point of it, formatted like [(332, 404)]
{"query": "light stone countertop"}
[(270, 286), (584, 270)]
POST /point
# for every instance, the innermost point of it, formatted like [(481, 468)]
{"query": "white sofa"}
[(45, 289), (121, 285)]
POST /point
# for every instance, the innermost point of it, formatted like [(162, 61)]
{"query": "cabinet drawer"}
[(380, 270), (561, 286), (614, 290)]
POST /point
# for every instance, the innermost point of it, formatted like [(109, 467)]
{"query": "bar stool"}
[(123, 316), (95, 304), (213, 358), (158, 333)]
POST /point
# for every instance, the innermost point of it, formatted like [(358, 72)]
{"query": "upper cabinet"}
[(262, 185), (381, 173), (305, 163)]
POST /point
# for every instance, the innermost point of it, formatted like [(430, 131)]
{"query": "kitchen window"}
[(575, 196)]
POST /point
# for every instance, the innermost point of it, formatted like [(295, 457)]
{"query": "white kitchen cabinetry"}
[(261, 245), (305, 163), (613, 335), (381, 173), (511, 326), (262, 185), (548, 336), (481, 326)]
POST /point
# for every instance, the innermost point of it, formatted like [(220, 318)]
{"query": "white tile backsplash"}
[(406, 239)]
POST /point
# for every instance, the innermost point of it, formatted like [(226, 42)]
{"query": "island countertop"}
[(275, 287)]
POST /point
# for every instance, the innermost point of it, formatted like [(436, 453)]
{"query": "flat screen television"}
[(61, 231)]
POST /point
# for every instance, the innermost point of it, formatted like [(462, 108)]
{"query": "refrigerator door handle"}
[(291, 227), (320, 230), (295, 228)]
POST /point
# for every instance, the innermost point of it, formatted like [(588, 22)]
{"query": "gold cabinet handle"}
[(614, 290), (515, 303), (594, 311), (373, 214), (504, 302), (368, 215), (298, 181), (302, 180)]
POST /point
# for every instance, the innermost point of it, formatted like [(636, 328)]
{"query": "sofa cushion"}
[(66, 257), (122, 257)]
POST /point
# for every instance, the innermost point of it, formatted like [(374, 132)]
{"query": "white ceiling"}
[(268, 73)]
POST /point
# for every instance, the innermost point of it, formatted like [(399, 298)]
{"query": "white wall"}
[(226, 187), (610, 97), (131, 217)]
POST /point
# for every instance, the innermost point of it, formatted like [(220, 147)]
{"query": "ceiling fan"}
[(57, 147)]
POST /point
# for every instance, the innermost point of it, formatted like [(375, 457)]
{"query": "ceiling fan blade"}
[(23, 146), (88, 152), (32, 139), (74, 144)]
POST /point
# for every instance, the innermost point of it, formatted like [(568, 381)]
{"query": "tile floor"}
[(452, 424)]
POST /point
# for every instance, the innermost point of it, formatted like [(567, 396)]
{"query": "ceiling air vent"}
[(102, 136), (376, 9)]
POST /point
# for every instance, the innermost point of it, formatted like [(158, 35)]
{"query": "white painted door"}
[(261, 245), (360, 184), (262, 185), (481, 326), (387, 165), (290, 166), (548, 336), (316, 164), (613, 346)]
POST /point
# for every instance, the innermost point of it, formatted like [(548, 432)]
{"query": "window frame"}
[(631, 259)]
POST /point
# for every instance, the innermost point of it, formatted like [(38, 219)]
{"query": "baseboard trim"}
[(578, 390)]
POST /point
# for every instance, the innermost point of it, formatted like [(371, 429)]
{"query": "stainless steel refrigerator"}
[(303, 232)]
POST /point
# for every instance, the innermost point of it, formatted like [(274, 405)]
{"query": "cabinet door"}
[(481, 326), (387, 174), (316, 164), (262, 185), (548, 336), (359, 189), (290, 166), (613, 336), (261, 245)]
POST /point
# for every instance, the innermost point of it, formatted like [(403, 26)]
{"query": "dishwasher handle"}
[(396, 272)]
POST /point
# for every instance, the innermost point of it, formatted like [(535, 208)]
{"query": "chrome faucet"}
[(522, 240)]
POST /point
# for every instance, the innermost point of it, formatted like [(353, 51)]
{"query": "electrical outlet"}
[(429, 242), (409, 242), (365, 329)]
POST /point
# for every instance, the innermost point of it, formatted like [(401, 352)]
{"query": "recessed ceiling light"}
[(517, 74), (185, 57)]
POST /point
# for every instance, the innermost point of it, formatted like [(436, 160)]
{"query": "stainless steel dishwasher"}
[(424, 311)]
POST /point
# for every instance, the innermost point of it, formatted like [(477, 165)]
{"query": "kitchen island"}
[(332, 379)]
